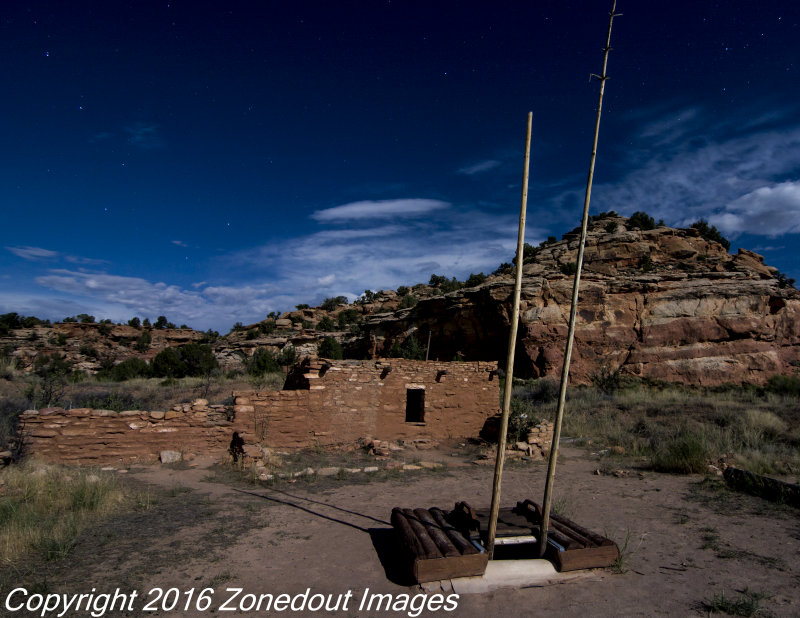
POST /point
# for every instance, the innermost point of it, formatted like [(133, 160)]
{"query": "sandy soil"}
[(688, 539)]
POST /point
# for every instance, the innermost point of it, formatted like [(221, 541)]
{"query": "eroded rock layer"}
[(663, 303)]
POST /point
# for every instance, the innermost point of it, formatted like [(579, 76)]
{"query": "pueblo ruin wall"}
[(324, 403)]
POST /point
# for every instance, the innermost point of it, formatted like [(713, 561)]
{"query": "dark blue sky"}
[(215, 161)]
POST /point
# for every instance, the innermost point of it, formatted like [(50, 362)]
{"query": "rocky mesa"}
[(663, 303)]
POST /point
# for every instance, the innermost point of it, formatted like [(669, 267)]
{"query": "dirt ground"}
[(686, 540)]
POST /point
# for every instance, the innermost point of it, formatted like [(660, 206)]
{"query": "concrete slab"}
[(508, 574)]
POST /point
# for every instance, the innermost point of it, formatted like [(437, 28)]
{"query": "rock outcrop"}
[(664, 303)]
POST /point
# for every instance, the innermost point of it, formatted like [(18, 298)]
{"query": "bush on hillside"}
[(641, 220), (263, 361), (330, 348)]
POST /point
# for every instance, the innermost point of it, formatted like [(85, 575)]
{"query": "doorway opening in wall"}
[(415, 405)]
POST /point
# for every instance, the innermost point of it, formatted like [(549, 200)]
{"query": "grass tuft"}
[(44, 508), (748, 603)]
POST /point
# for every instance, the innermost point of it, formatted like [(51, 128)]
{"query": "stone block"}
[(157, 415), (79, 412), (167, 457), (170, 414)]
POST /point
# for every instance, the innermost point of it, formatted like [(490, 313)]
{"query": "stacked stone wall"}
[(336, 403), (86, 436), (341, 401)]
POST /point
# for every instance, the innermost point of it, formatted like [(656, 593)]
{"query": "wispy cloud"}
[(38, 254), (33, 253), (145, 135), (180, 243), (683, 170), (379, 209), (477, 168), (348, 261)]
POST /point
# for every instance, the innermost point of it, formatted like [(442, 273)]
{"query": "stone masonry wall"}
[(341, 401), (85, 436), (333, 403)]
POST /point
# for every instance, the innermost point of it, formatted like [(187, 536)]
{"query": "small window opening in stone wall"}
[(415, 405)]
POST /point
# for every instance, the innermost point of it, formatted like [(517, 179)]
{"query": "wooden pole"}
[(551, 468), (512, 341)]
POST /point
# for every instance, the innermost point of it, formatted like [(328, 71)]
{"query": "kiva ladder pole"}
[(562, 394), (512, 340)]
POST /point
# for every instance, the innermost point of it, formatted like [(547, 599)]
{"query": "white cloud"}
[(38, 254), (697, 168), (327, 280), (477, 168), (379, 209), (769, 211), (33, 253), (179, 243)]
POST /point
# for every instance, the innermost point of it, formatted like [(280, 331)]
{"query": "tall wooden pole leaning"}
[(512, 340), (551, 469)]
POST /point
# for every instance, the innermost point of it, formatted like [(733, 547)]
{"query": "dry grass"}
[(44, 507), (677, 428)]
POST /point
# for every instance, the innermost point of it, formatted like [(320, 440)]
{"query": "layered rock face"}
[(663, 303)]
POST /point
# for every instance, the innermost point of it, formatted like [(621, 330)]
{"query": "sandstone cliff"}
[(663, 303)]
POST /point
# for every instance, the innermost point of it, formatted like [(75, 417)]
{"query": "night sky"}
[(215, 161)]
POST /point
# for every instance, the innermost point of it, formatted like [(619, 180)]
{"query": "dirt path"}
[(689, 540)]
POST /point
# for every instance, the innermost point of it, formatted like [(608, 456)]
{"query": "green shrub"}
[(347, 316), (252, 334), (402, 291), (128, 369), (88, 350), (330, 348), (267, 327), (475, 280), (199, 359), (408, 301), (646, 264), (568, 268), (411, 348), (168, 364), (85, 318), (784, 280), (210, 336), (330, 304), (143, 341), (262, 361), (326, 324), (784, 385), (611, 227), (287, 356), (711, 233), (641, 220), (607, 380), (301, 306)]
